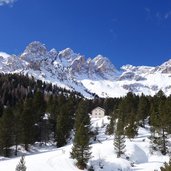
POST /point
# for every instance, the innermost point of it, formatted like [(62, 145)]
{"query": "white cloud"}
[(6, 2), (167, 15), (157, 16), (148, 14)]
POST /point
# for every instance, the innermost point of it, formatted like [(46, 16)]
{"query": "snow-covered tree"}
[(119, 140), (21, 165)]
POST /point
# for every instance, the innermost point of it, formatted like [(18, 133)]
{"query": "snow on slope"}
[(3, 54), (103, 155), (98, 75)]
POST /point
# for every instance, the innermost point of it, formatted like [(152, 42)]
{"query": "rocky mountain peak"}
[(53, 53), (4, 55), (34, 52), (36, 48), (165, 67), (96, 75), (128, 67), (67, 53), (103, 64)]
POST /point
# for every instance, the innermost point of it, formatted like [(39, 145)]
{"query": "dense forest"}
[(34, 111)]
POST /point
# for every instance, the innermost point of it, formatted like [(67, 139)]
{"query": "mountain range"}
[(89, 76)]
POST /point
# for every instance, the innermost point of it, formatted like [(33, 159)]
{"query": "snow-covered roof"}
[(98, 108)]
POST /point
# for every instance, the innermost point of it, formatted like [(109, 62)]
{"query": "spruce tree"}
[(143, 110), (21, 165), (17, 126), (119, 139), (27, 124), (65, 122), (61, 128), (81, 148), (160, 122), (38, 106), (6, 131), (110, 127), (131, 130)]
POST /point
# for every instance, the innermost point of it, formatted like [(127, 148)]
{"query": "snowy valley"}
[(103, 154)]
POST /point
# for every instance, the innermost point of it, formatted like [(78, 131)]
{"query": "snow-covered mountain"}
[(96, 75)]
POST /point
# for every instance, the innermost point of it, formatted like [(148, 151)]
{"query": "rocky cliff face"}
[(96, 75)]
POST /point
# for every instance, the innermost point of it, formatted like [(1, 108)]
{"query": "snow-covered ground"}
[(103, 155)]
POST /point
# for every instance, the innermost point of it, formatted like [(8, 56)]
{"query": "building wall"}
[(98, 113)]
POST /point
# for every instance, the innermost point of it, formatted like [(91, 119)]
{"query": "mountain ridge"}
[(96, 75)]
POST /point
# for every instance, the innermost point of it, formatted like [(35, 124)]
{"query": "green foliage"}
[(28, 100), (132, 129), (21, 165), (81, 149), (27, 122), (24, 102), (6, 132), (160, 121), (65, 122), (119, 139), (143, 109), (110, 127)]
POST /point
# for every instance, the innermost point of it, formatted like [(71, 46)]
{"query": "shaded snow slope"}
[(103, 155)]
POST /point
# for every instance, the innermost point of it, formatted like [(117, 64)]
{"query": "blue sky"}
[(136, 32)]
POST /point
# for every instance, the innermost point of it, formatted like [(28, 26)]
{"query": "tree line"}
[(34, 111)]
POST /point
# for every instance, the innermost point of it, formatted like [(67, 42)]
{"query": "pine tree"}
[(143, 110), (82, 115), (160, 122), (27, 124), (65, 122), (52, 109), (38, 106), (110, 127), (131, 130), (81, 148), (119, 139), (61, 128), (17, 125), (6, 131), (21, 165)]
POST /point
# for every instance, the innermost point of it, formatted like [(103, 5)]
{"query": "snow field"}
[(103, 155)]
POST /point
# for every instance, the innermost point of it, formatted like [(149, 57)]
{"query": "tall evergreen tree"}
[(27, 124), (131, 129), (61, 128), (119, 139), (143, 110), (65, 122), (81, 148), (38, 108), (160, 122), (6, 131), (17, 125), (110, 127)]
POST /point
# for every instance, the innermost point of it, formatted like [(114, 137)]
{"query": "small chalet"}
[(98, 112)]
